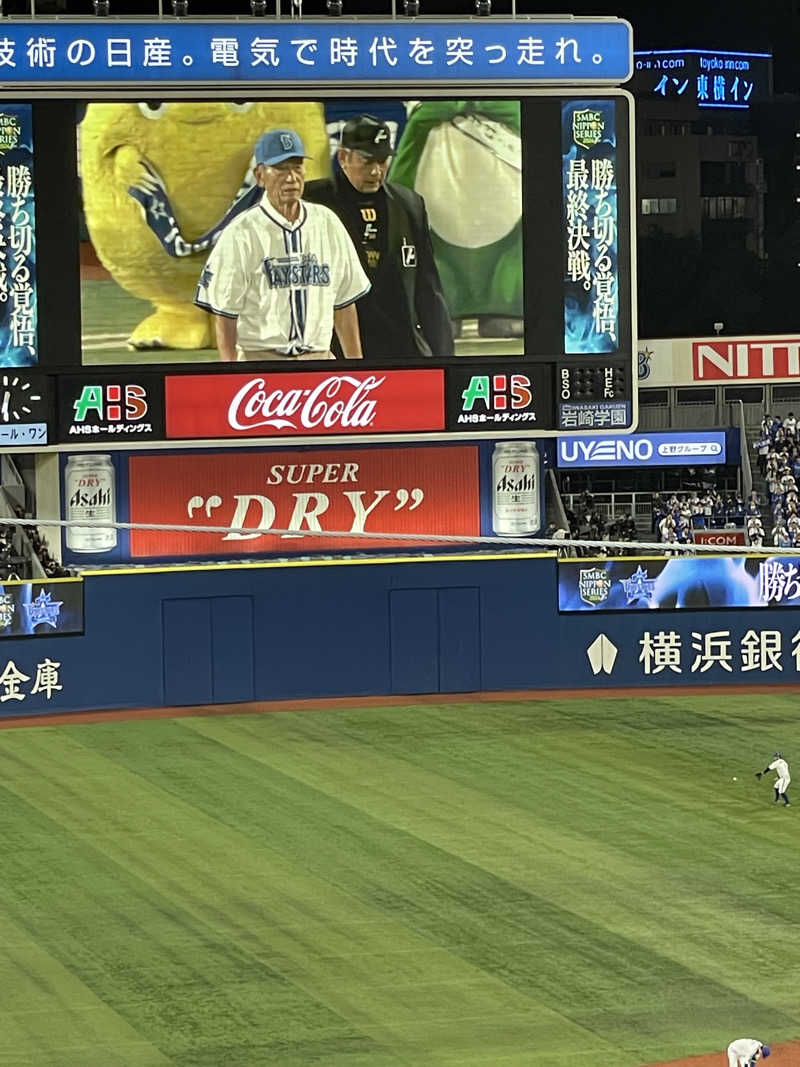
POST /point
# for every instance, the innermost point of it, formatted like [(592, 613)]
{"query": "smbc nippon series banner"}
[(591, 278), (688, 582), (41, 608), (18, 304)]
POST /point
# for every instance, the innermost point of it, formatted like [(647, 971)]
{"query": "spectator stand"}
[(24, 552), (777, 450)]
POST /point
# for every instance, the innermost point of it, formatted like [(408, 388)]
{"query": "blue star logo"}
[(157, 209), (44, 610), (638, 586)]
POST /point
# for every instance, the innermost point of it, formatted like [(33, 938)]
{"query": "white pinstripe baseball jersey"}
[(282, 280)]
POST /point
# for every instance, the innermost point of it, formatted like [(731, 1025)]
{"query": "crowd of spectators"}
[(10, 561), (588, 523), (14, 564), (778, 451), (677, 516)]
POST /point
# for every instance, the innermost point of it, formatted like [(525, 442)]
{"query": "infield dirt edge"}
[(258, 707), (784, 1054)]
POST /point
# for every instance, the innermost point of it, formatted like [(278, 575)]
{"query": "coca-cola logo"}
[(301, 403), (339, 400)]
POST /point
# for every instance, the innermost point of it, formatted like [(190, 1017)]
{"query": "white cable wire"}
[(630, 547)]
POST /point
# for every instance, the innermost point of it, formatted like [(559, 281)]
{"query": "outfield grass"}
[(554, 883), (109, 315)]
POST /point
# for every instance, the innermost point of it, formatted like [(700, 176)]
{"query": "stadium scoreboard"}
[(127, 148)]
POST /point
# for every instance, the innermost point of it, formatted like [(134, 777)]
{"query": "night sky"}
[(771, 25)]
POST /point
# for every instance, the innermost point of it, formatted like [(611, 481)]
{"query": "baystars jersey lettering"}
[(282, 280)]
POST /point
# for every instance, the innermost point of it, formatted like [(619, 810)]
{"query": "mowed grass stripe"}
[(91, 896), (676, 895), (50, 1017), (424, 876), (256, 803), (302, 932)]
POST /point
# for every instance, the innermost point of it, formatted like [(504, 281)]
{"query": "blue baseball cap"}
[(276, 145), (766, 1051)]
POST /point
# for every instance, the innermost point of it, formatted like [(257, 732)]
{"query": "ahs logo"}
[(507, 391), (107, 403)]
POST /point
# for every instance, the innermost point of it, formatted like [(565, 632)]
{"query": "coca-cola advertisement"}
[(263, 404), (358, 491)]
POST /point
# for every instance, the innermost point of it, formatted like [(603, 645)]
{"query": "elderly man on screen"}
[(284, 273)]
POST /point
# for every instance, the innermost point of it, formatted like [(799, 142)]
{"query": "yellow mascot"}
[(199, 155)]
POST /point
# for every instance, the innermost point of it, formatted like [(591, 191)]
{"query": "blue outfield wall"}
[(266, 632)]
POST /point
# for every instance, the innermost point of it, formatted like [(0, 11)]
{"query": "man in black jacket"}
[(404, 317)]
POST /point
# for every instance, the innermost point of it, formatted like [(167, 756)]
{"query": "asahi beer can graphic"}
[(91, 497), (515, 484)]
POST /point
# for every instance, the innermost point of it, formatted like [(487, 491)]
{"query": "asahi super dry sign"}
[(402, 490)]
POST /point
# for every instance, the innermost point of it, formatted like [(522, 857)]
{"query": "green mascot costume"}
[(464, 158)]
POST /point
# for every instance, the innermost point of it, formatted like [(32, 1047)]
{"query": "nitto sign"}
[(296, 405), (642, 450), (745, 360)]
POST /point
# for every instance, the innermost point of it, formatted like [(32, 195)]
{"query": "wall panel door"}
[(187, 651), (459, 640), (232, 644), (414, 635)]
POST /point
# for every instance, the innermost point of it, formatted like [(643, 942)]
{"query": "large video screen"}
[(427, 238), (385, 230), (339, 266)]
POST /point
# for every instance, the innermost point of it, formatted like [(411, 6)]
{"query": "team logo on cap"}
[(287, 141)]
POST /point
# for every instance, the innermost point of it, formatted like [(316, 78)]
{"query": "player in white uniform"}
[(746, 1051), (781, 784), (284, 274)]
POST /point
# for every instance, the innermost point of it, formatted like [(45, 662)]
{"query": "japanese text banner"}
[(685, 583), (591, 279), (573, 51), (18, 297)]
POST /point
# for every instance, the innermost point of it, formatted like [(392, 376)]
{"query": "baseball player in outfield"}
[(746, 1051), (284, 274), (781, 784)]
